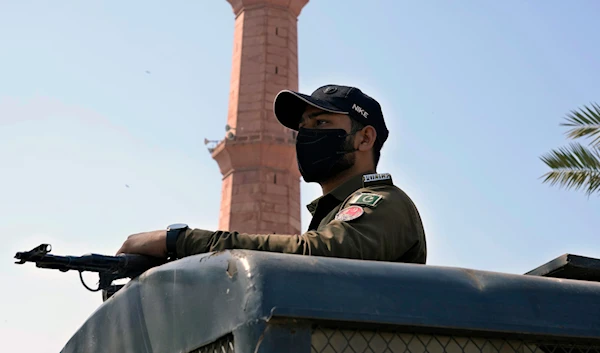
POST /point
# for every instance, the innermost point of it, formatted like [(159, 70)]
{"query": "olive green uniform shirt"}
[(365, 218)]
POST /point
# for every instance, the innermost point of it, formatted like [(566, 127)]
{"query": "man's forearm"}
[(311, 243), (198, 241), (193, 241)]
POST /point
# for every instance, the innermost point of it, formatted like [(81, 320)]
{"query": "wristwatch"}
[(173, 233)]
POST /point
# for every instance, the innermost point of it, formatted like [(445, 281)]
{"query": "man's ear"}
[(368, 137)]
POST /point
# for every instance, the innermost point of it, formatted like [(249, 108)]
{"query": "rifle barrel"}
[(109, 268), (90, 262)]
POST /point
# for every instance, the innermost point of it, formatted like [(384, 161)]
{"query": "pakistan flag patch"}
[(365, 199)]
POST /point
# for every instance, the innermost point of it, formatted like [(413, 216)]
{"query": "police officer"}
[(361, 214)]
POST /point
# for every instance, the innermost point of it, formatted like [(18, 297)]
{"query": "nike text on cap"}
[(351, 101)]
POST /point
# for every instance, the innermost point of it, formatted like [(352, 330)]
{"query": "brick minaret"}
[(261, 182)]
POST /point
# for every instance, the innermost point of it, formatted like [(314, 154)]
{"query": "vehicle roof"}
[(184, 304)]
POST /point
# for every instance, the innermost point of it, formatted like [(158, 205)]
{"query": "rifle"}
[(109, 268)]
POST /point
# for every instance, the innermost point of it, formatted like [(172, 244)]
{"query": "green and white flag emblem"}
[(366, 199)]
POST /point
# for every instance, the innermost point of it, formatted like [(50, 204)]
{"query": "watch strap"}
[(173, 233)]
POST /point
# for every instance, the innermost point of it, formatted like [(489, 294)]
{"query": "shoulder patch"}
[(366, 199), (349, 213), (377, 179)]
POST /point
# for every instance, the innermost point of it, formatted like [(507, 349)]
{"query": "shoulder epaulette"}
[(377, 179)]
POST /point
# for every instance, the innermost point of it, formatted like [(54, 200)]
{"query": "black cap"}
[(290, 105)]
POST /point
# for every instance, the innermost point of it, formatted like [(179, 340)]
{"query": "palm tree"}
[(576, 166)]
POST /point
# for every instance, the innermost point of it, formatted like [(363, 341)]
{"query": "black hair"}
[(356, 126)]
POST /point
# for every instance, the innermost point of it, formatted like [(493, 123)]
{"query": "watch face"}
[(177, 226)]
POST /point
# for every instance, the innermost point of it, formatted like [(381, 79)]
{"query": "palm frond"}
[(574, 167), (585, 123)]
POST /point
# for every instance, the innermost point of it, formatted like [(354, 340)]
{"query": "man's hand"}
[(148, 243)]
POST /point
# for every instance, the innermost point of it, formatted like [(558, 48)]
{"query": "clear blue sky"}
[(472, 91)]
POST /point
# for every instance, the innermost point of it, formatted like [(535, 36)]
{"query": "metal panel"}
[(188, 303), (570, 266)]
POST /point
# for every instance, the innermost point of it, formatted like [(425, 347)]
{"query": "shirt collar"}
[(340, 193)]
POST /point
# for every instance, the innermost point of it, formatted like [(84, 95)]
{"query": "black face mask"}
[(323, 153)]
